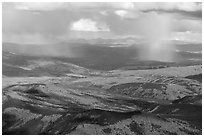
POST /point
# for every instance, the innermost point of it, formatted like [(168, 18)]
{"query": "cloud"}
[(45, 23), (124, 5), (88, 25), (95, 20), (183, 6), (188, 37), (104, 13), (183, 25), (47, 6), (124, 14), (187, 6), (41, 6), (121, 13), (102, 5), (140, 6)]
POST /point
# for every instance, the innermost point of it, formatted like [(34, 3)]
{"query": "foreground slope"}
[(160, 101)]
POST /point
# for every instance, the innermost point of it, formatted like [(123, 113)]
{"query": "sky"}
[(42, 23)]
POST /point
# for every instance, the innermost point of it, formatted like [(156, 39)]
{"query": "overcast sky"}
[(54, 22)]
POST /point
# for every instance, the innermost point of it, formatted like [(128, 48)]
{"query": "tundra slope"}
[(157, 101)]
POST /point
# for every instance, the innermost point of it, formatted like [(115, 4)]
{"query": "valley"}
[(115, 102)]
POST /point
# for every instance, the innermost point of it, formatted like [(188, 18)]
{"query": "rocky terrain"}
[(157, 101)]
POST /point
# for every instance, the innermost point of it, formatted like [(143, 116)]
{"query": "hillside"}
[(119, 102)]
